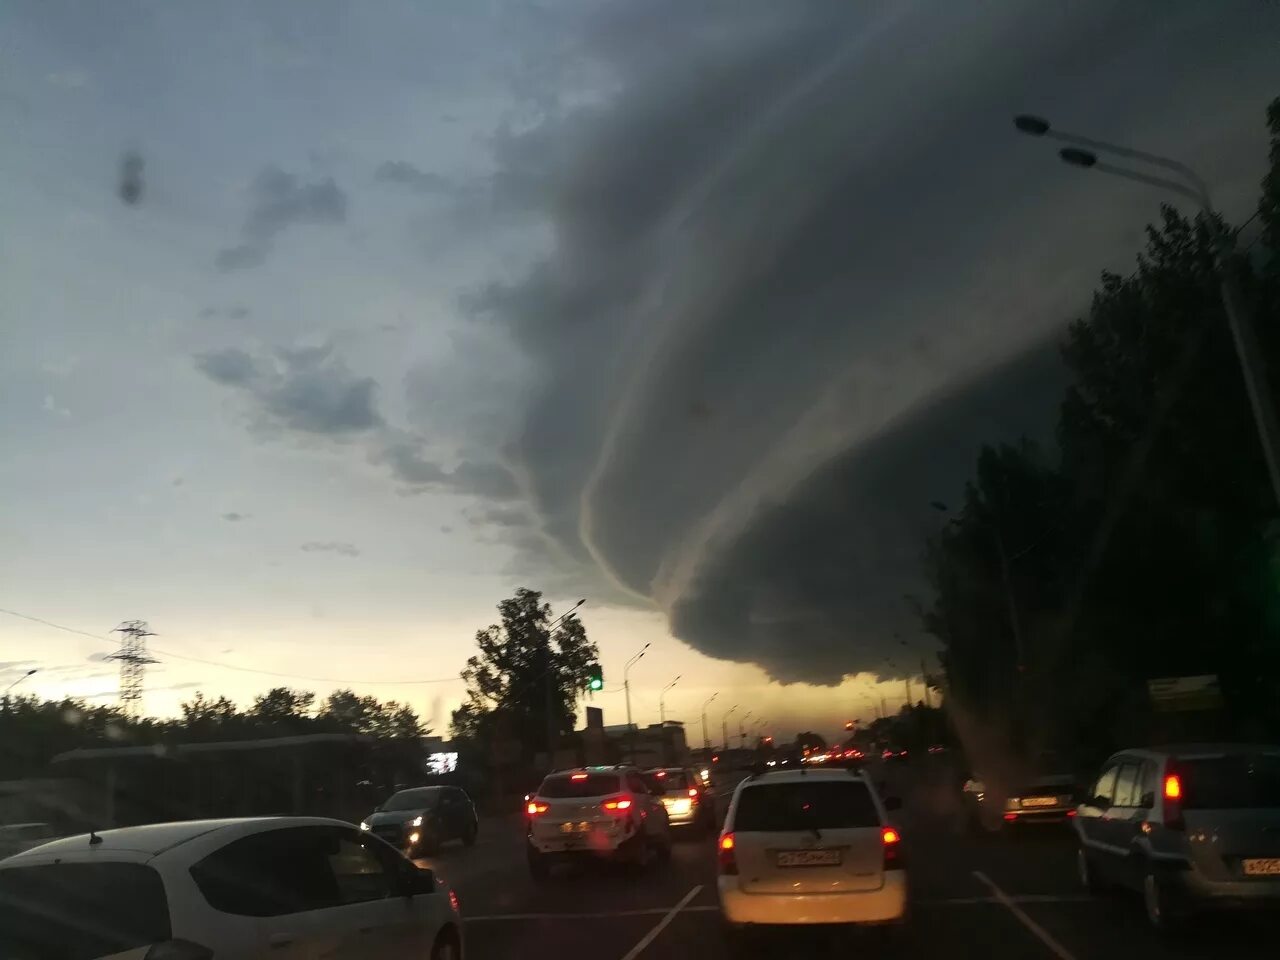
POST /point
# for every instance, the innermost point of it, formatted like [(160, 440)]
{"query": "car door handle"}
[(280, 940)]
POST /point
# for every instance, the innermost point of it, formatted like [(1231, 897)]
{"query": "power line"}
[(226, 666)]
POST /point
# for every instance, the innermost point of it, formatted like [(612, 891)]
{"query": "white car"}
[(810, 846), (595, 812), (287, 888)]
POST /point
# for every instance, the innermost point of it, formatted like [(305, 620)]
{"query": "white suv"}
[(595, 812), (810, 846)]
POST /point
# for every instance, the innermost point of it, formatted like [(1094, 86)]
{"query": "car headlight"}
[(364, 824), (416, 822)]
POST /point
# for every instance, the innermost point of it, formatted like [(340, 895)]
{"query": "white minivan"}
[(810, 847)]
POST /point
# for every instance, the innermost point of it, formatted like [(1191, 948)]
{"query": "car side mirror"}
[(892, 803), (419, 880)]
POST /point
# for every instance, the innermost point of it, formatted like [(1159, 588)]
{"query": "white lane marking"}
[(1054, 946), (661, 925), (712, 908)]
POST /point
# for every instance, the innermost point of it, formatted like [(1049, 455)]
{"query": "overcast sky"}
[(325, 325)]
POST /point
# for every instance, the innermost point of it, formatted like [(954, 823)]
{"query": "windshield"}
[(668, 781), (80, 911), (1231, 783), (407, 404), (580, 785), (423, 798), (820, 805)]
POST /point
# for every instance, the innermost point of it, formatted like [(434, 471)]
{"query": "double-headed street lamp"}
[(662, 701), (33, 670), (706, 740), (1083, 152), (626, 686), (724, 726)]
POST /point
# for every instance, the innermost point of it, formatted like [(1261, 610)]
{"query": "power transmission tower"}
[(133, 663)]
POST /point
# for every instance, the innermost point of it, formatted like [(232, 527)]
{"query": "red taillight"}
[(1071, 813), (1011, 816), (728, 862), (577, 776), (453, 901), (890, 840), (693, 791), (1173, 802), (534, 808), (617, 806)]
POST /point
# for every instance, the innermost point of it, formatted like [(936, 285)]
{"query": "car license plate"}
[(808, 858), (1040, 801), (1262, 866), (581, 827)]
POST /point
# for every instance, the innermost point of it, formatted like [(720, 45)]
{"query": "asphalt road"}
[(992, 897)]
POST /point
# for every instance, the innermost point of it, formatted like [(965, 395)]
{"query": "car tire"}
[(539, 868), (662, 851), (1159, 904), (1087, 873), (469, 838), (446, 947), (735, 938), (430, 844)]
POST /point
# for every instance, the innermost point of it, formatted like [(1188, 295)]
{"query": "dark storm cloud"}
[(789, 254), (331, 546), (407, 464), (406, 174), (278, 200), (308, 390)]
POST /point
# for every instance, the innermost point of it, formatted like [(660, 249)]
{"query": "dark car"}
[(420, 819)]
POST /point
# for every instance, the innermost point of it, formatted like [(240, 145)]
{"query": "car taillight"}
[(728, 862), (453, 901), (891, 842), (534, 808), (693, 791), (1173, 802), (621, 805)]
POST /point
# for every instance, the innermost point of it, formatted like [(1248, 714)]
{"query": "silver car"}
[(685, 796), (1189, 826)]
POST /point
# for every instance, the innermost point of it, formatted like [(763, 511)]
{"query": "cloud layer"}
[(278, 200)]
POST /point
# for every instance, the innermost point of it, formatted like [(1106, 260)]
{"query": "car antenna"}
[(94, 839)]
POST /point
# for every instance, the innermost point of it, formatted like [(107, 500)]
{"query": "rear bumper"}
[(1193, 887), (599, 843), (888, 904)]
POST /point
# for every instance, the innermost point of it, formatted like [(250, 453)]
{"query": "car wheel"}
[(446, 947), (662, 850), (1157, 901), (539, 869), (469, 838), (1088, 873), (430, 844)]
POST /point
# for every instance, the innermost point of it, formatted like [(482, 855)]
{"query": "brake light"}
[(693, 791), (615, 806), (577, 776), (1011, 816), (534, 808), (1173, 802), (728, 861), (453, 901), (1071, 813), (889, 839)]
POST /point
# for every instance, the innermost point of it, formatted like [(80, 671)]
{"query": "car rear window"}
[(665, 780), (797, 805), (77, 911), (1230, 783), (591, 785)]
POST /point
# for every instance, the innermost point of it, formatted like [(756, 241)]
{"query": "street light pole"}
[(742, 734), (724, 726), (706, 740), (33, 670), (626, 686), (1082, 154), (662, 697)]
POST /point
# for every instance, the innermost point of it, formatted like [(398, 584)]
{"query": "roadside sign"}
[(1185, 694)]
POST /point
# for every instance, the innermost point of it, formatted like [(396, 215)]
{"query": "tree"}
[(283, 709), (522, 668)]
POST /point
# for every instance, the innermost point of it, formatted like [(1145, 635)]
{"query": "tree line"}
[(33, 730), (1146, 542)]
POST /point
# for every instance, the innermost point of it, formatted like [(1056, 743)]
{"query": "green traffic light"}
[(596, 683)]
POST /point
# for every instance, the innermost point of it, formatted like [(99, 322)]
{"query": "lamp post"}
[(662, 701), (33, 670), (742, 733), (626, 686), (1083, 152), (724, 726), (706, 740)]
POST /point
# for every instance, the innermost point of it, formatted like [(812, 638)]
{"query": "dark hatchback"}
[(420, 819)]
